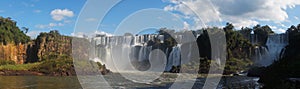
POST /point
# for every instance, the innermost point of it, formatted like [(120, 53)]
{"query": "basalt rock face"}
[(16, 53), (46, 46), (50, 45)]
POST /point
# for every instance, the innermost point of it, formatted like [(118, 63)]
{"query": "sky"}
[(62, 15)]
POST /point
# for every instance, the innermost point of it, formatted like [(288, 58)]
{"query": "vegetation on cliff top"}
[(10, 33), (238, 46)]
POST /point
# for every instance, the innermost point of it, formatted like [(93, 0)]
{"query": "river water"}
[(115, 81)]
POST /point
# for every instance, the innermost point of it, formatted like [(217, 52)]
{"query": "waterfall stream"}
[(115, 50), (266, 55)]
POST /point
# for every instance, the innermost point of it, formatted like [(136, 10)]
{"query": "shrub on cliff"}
[(10, 33), (6, 62), (53, 45), (56, 67), (262, 33)]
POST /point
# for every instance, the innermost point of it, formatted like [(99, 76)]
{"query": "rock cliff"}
[(50, 46), (17, 53), (47, 46)]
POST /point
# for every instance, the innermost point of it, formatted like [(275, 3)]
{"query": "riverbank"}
[(19, 73), (20, 70), (57, 67)]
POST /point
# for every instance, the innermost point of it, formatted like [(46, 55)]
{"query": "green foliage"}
[(238, 49), (7, 62), (10, 33), (19, 67), (246, 32), (262, 33), (294, 35), (277, 74), (234, 65), (54, 45), (228, 27), (55, 66)]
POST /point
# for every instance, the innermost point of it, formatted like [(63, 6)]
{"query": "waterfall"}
[(120, 49), (174, 58), (274, 46), (175, 55), (142, 54)]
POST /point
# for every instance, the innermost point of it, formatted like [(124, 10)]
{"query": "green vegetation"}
[(52, 45), (10, 33), (18, 67), (276, 75), (238, 50), (55, 66), (6, 62), (238, 46), (262, 33)]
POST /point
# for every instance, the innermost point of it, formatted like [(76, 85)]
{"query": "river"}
[(116, 81)]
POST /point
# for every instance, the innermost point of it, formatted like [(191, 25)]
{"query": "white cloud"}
[(90, 19), (103, 33), (61, 14), (78, 34), (37, 11), (50, 25), (241, 22), (239, 12), (33, 34), (169, 8), (198, 11), (281, 24), (186, 25), (27, 4), (67, 21), (297, 18), (90, 35), (277, 29), (280, 30)]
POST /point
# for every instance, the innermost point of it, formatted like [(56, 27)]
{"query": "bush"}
[(10, 33), (55, 66), (6, 62), (19, 67)]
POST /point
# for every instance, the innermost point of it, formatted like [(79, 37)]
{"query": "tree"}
[(262, 33), (10, 33), (25, 30), (246, 32), (228, 27)]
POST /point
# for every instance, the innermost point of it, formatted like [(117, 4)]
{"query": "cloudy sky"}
[(46, 15)]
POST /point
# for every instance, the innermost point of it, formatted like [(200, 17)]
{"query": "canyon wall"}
[(16, 53), (52, 45), (46, 46)]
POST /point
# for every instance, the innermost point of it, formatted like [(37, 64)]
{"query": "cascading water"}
[(275, 44), (132, 48), (175, 55), (144, 53)]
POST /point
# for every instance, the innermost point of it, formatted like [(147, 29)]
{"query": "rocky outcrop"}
[(47, 46), (16, 53), (51, 46)]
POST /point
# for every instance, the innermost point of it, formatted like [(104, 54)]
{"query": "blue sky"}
[(46, 15)]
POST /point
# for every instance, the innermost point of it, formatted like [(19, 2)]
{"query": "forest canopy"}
[(11, 33)]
